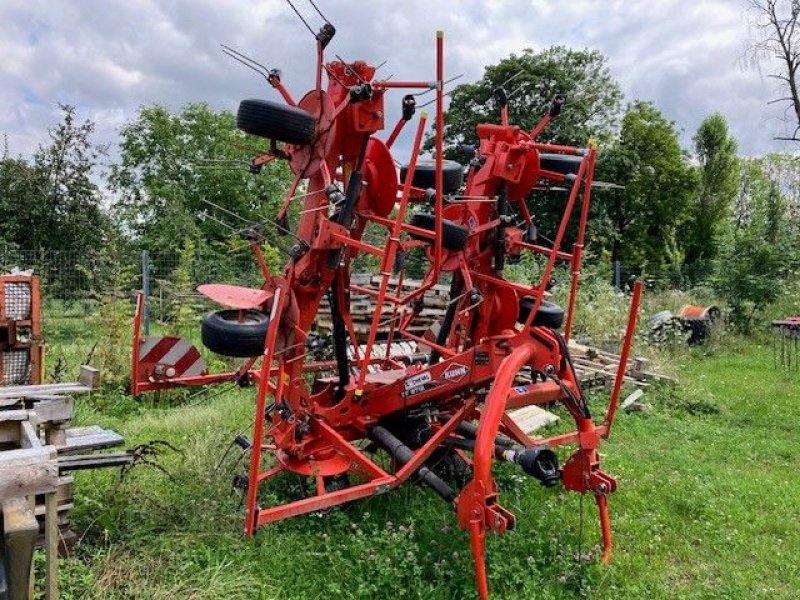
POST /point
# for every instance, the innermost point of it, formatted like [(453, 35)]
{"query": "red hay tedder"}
[(450, 398)]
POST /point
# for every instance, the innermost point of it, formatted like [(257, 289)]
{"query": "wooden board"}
[(20, 481), (81, 439), (26, 391), (531, 418)]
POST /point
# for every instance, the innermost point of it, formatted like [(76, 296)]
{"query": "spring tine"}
[(394, 317), (459, 297), (478, 303), (310, 210), (306, 195), (350, 68), (221, 167), (245, 57), (470, 201), (333, 75), (289, 2), (428, 91), (292, 347), (225, 210), (512, 78), (246, 64), (380, 65), (208, 215), (319, 12), (429, 102)]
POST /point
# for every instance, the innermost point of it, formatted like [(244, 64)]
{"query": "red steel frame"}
[(310, 429)]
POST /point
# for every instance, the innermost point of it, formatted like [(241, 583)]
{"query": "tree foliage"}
[(716, 151), (52, 205), (757, 256), (593, 96), (647, 217), (176, 170)]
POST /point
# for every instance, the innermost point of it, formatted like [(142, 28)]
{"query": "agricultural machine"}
[(325, 416)]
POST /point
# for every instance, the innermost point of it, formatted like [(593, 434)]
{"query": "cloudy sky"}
[(110, 56)]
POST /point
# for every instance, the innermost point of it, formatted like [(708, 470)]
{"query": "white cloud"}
[(110, 56)]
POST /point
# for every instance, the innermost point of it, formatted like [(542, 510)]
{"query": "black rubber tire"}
[(454, 236), (560, 163), (223, 334), (425, 175), (276, 121), (549, 314)]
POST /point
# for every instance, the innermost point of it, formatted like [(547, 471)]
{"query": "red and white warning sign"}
[(168, 357)]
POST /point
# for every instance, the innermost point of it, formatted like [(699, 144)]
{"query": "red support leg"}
[(605, 526), (477, 503), (477, 542)]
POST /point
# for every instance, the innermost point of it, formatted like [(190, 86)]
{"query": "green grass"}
[(707, 507)]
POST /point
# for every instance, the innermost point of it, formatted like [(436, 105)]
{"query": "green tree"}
[(174, 168), (592, 109), (646, 217), (52, 206), (593, 96), (716, 152), (756, 257)]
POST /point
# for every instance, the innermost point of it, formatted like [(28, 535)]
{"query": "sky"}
[(109, 57)]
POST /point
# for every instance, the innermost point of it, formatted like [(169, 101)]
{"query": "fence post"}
[(146, 289)]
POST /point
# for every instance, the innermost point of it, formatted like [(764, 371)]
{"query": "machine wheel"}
[(454, 236), (425, 175), (276, 121), (549, 314), (223, 332)]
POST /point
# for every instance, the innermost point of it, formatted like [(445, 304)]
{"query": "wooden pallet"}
[(594, 367), (362, 306), (28, 469), (34, 431)]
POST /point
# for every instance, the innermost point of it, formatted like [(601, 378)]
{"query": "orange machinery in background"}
[(21, 342)]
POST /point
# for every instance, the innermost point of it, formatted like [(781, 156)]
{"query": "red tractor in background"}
[(451, 397)]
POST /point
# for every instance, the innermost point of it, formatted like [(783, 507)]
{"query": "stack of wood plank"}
[(36, 495), (598, 368), (362, 306), (595, 367)]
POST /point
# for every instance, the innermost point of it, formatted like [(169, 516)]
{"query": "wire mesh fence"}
[(74, 285)]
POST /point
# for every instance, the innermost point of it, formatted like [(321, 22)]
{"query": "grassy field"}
[(708, 506)]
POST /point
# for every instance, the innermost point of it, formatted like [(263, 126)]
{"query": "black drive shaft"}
[(402, 454)]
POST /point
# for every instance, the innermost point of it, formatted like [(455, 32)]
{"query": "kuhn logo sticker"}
[(456, 372)]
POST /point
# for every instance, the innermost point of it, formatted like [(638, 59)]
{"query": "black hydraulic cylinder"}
[(447, 323), (339, 340), (347, 211), (500, 232), (403, 454)]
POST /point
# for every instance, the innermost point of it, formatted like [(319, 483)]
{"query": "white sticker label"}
[(418, 380)]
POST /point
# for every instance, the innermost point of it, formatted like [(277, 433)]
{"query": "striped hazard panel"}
[(168, 357)]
